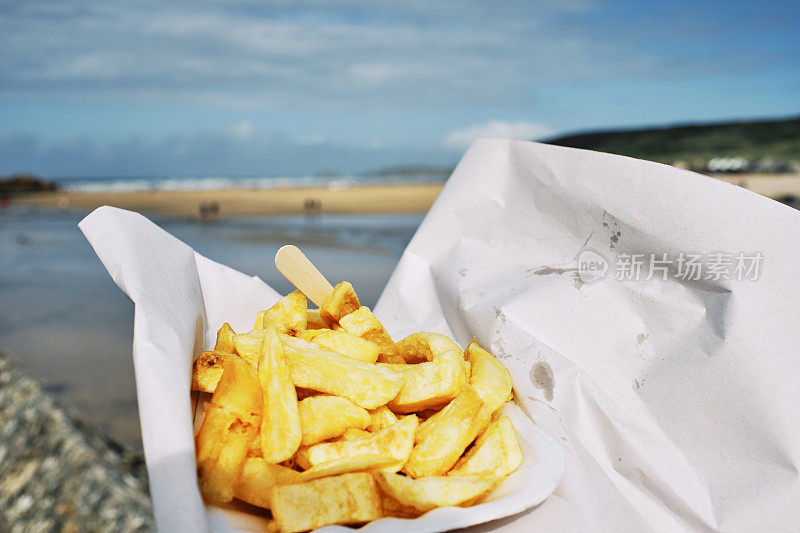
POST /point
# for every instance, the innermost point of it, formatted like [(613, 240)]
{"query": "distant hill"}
[(691, 142)]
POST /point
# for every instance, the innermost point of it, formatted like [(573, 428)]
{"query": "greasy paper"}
[(673, 400)]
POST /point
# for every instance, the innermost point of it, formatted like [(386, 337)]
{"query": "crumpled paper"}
[(673, 399)]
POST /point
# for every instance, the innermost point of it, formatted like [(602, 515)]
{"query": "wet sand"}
[(378, 199)]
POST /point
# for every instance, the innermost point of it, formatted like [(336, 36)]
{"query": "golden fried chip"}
[(428, 493), (381, 417), (353, 433), (258, 477), (342, 465), (456, 427), (259, 324), (424, 346), (207, 370), (325, 370), (314, 320), (395, 441), (489, 377), (393, 508), (342, 301), (346, 344), (230, 425), (309, 334), (225, 339), (248, 346), (363, 323), (325, 417), (289, 314), (344, 499), (280, 424), (495, 452), (431, 384)]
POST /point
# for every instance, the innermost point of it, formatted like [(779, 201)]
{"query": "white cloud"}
[(526, 131), (412, 55)]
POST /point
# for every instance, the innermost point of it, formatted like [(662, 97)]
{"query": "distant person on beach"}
[(312, 206), (209, 210)]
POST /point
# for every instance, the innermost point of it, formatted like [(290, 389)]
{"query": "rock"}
[(58, 474)]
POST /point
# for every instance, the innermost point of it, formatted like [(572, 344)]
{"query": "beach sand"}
[(385, 199)]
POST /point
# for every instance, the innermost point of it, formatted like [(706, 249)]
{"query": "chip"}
[(259, 324), (381, 417), (342, 301), (393, 508), (356, 463), (289, 314), (495, 452), (489, 377), (430, 384), (424, 346), (325, 370), (258, 477), (428, 493), (225, 339), (352, 498), (396, 441), (346, 344), (280, 423), (457, 426), (207, 370), (248, 346), (314, 320), (362, 323), (325, 417), (229, 427), (353, 433)]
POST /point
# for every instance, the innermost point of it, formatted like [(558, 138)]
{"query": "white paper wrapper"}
[(675, 402)]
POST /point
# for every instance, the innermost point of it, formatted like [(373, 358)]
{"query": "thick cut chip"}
[(258, 477), (344, 499), (248, 346), (489, 377), (424, 346), (363, 323), (381, 417), (225, 339), (325, 370), (428, 493), (207, 370), (325, 417), (431, 384), (280, 424), (393, 508), (353, 433), (395, 441), (289, 314), (347, 344), (259, 324), (342, 465), (460, 423), (342, 301), (309, 334), (230, 425), (314, 320), (495, 452)]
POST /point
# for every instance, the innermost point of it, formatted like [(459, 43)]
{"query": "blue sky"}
[(120, 88)]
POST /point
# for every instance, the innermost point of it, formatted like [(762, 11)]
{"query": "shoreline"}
[(357, 199)]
